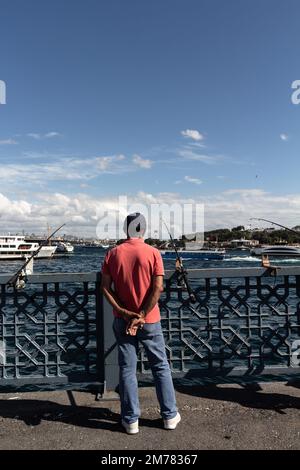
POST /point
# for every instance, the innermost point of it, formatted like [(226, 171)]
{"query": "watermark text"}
[(295, 359), (180, 219), (2, 353), (2, 92), (296, 94)]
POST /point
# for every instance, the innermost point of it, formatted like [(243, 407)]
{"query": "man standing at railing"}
[(136, 271)]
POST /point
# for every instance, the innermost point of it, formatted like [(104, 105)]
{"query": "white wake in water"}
[(250, 259)]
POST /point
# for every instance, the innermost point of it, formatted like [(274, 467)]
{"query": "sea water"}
[(85, 259)]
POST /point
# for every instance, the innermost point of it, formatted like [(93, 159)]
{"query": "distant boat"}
[(194, 251), (105, 247), (240, 248), (64, 247), (94, 245), (282, 251), (194, 254), (15, 247)]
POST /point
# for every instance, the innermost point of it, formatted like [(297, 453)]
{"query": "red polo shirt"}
[(132, 266)]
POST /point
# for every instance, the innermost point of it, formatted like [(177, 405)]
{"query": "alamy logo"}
[(181, 219), (296, 94), (2, 353), (2, 92), (295, 359)]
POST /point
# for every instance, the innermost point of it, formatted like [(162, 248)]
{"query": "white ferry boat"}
[(15, 247), (282, 251)]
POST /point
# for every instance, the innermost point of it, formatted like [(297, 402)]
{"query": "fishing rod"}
[(18, 280), (279, 225), (181, 272)]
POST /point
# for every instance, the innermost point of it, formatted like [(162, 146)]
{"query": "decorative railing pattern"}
[(58, 330), (50, 330), (244, 323)]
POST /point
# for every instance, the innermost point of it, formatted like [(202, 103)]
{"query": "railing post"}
[(107, 354)]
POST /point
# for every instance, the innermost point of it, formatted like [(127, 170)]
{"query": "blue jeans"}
[(151, 337)]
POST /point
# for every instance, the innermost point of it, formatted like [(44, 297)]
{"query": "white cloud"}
[(14, 210), (48, 135), (105, 164), (189, 179), (81, 212), (142, 162), (67, 168), (8, 142), (34, 136), (284, 137), (245, 192), (40, 169), (192, 134), (189, 154)]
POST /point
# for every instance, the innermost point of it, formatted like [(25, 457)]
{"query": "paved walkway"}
[(223, 417)]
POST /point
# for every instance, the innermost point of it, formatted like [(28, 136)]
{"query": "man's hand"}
[(128, 315), (134, 325)]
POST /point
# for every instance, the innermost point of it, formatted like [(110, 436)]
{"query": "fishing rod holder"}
[(181, 281), (21, 281), (180, 275), (270, 270)]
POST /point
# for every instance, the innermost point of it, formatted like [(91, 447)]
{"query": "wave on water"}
[(243, 258), (253, 259)]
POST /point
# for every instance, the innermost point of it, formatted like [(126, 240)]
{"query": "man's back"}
[(132, 266)]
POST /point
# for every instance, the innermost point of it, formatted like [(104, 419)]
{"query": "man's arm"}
[(149, 304), (153, 298), (112, 298)]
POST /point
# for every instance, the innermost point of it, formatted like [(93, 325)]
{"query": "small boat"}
[(14, 247), (194, 250), (105, 247), (64, 247), (282, 251)]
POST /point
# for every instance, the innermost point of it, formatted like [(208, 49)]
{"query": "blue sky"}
[(162, 99)]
